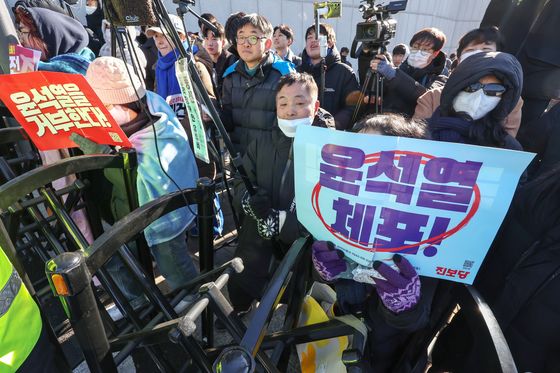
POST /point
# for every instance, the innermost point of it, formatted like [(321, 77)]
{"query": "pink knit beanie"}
[(109, 78)]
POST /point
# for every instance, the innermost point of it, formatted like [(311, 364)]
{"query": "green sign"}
[(192, 111)]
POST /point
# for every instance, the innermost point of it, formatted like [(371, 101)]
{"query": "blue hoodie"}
[(178, 160)]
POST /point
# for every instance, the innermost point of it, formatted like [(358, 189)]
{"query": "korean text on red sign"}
[(50, 106)]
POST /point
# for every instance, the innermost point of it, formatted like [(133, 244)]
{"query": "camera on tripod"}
[(378, 27), (375, 32)]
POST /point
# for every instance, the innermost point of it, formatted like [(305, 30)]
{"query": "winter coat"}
[(340, 83), (401, 93), (292, 57), (519, 281), (487, 131), (430, 101), (529, 31), (543, 137), (61, 34), (269, 165), (151, 182), (224, 61), (249, 103)]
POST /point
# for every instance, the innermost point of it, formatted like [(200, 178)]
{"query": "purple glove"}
[(401, 291), (327, 260)]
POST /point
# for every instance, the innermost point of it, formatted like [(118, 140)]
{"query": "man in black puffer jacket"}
[(249, 86), (424, 69), (340, 81), (270, 225)]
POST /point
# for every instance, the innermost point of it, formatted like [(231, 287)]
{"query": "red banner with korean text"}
[(50, 106)]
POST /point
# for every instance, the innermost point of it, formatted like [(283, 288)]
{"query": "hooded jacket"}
[(152, 182), (249, 103), (487, 131), (61, 34), (502, 65), (340, 82), (402, 92)]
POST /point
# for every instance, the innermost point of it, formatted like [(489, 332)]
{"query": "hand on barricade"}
[(88, 146), (400, 291), (327, 260)]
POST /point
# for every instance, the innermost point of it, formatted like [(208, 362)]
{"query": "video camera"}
[(378, 27), (375, 32)]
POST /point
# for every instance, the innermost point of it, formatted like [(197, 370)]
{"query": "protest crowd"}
[(487, 94)]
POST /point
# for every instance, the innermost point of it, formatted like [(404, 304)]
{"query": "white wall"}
[(453, 17)]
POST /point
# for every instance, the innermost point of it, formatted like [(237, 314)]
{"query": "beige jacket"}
[(429, 102)]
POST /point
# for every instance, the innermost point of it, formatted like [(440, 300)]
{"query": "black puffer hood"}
[(61, 33), (503, 65)]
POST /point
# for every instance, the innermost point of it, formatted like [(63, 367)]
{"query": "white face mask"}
[(90, 10), (418, 60), (288, 126), (469, 53), (120, 114), (475, 104)]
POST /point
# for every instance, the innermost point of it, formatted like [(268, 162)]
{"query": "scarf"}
[(449, 129), (166, 81)]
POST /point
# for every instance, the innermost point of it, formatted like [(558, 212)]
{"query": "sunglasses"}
[(490, 89)]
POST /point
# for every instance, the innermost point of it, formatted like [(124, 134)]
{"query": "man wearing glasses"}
[(424, 69), (249, 86)]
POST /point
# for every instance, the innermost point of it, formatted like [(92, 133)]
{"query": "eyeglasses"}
[(251, 39), (490, 89), (423, 52), (21, 34)]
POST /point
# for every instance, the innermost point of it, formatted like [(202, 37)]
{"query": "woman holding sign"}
[(394, 300)]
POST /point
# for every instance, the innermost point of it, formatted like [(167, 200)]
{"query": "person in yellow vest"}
[(24, 343)]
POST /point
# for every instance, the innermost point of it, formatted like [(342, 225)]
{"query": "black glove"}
[(258, 206), (269, 226)]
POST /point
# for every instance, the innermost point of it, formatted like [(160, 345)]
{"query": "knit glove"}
[(269, 226), (400, 291), (88, 146), (386, 69), (328, 261), (257, 206)]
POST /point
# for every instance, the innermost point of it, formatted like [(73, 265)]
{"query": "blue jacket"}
[(178, 160)]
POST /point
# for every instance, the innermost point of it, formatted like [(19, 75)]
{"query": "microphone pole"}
[(202, 94), (184, 8)]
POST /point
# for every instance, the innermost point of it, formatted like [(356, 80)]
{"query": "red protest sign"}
[(50, 106)]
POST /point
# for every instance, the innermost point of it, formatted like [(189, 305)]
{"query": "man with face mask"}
[(485, 39), (269, 225), (476, 99), (424, 69)]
